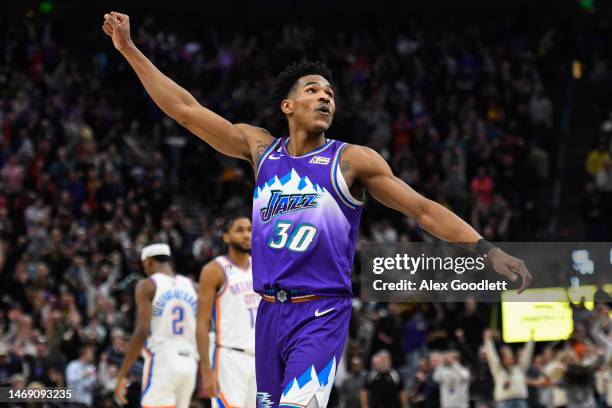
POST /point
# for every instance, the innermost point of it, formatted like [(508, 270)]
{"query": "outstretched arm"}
[(236, 140), (145, 290), (365, 165)]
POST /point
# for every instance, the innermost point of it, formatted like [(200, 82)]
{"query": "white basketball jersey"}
[(173, 319), (235, 307)]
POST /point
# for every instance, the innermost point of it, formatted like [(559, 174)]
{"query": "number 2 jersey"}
[(305, 222), (173, 319)]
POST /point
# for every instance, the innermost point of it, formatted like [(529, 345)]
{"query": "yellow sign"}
[(550, 320), (548, 313)]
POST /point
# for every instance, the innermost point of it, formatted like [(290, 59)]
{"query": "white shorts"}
[(235, 372), (168, 379)]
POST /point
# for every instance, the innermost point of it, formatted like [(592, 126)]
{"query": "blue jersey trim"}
[(333, 174), (265, 155), (214, 355)]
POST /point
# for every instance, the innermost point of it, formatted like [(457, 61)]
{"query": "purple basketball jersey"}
[(305, 222)]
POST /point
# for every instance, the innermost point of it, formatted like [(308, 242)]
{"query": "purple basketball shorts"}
[(297, 350)]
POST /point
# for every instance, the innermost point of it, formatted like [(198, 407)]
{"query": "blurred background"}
[(499, 110)]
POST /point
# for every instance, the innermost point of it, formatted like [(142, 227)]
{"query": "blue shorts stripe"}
[(148, 386)]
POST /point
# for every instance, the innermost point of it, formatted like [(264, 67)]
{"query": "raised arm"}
[(527, 355), (236, 140), (366, 166), (145, 290), (602, 339), (492, 357), (599, 336), (211, 279)]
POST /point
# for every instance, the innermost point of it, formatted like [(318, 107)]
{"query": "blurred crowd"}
[(445, 355), (597, 196), (91, 170), (597, 202)]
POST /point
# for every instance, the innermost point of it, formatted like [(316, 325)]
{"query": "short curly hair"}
[(229, 219), (286, 80)]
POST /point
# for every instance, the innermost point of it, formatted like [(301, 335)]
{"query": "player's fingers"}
[(526, 275), (120, 397), (107, 28), (508, 273), (120, 16), (112, 20)]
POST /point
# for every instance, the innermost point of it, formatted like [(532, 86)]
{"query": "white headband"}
[(154, 250)]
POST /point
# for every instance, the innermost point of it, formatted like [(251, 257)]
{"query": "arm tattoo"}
[(259, 151), (345, 166), (354, 185)]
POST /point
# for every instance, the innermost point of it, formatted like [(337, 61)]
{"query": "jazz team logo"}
[(279, 204), (289, 193)]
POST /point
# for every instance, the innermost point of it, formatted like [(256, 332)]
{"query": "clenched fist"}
[(117, 26)]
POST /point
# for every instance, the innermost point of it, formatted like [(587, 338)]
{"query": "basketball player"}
[(165, 333), (226, 293), (306, 209)]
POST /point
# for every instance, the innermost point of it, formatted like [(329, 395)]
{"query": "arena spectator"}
[(454, 380), (81, 376), (509, 373), (353, 384), (597, 157), (383, 386), (578, 376), (552, 394)]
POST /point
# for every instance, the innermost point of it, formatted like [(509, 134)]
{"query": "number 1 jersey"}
[(305, 222), (235, 308)]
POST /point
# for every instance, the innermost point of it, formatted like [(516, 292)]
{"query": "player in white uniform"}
[(226, 295), (165, 333)]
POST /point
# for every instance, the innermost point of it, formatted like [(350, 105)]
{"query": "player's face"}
[(239, 235), (311, 104)]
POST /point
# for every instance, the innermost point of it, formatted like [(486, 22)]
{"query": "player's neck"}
[(301, 142), (166, 270), (239, 258)]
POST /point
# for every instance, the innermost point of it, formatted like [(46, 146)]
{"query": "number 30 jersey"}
[(305, 222), (173, 318)]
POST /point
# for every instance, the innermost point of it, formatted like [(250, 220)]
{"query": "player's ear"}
[(287, 106), (225, 238)]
